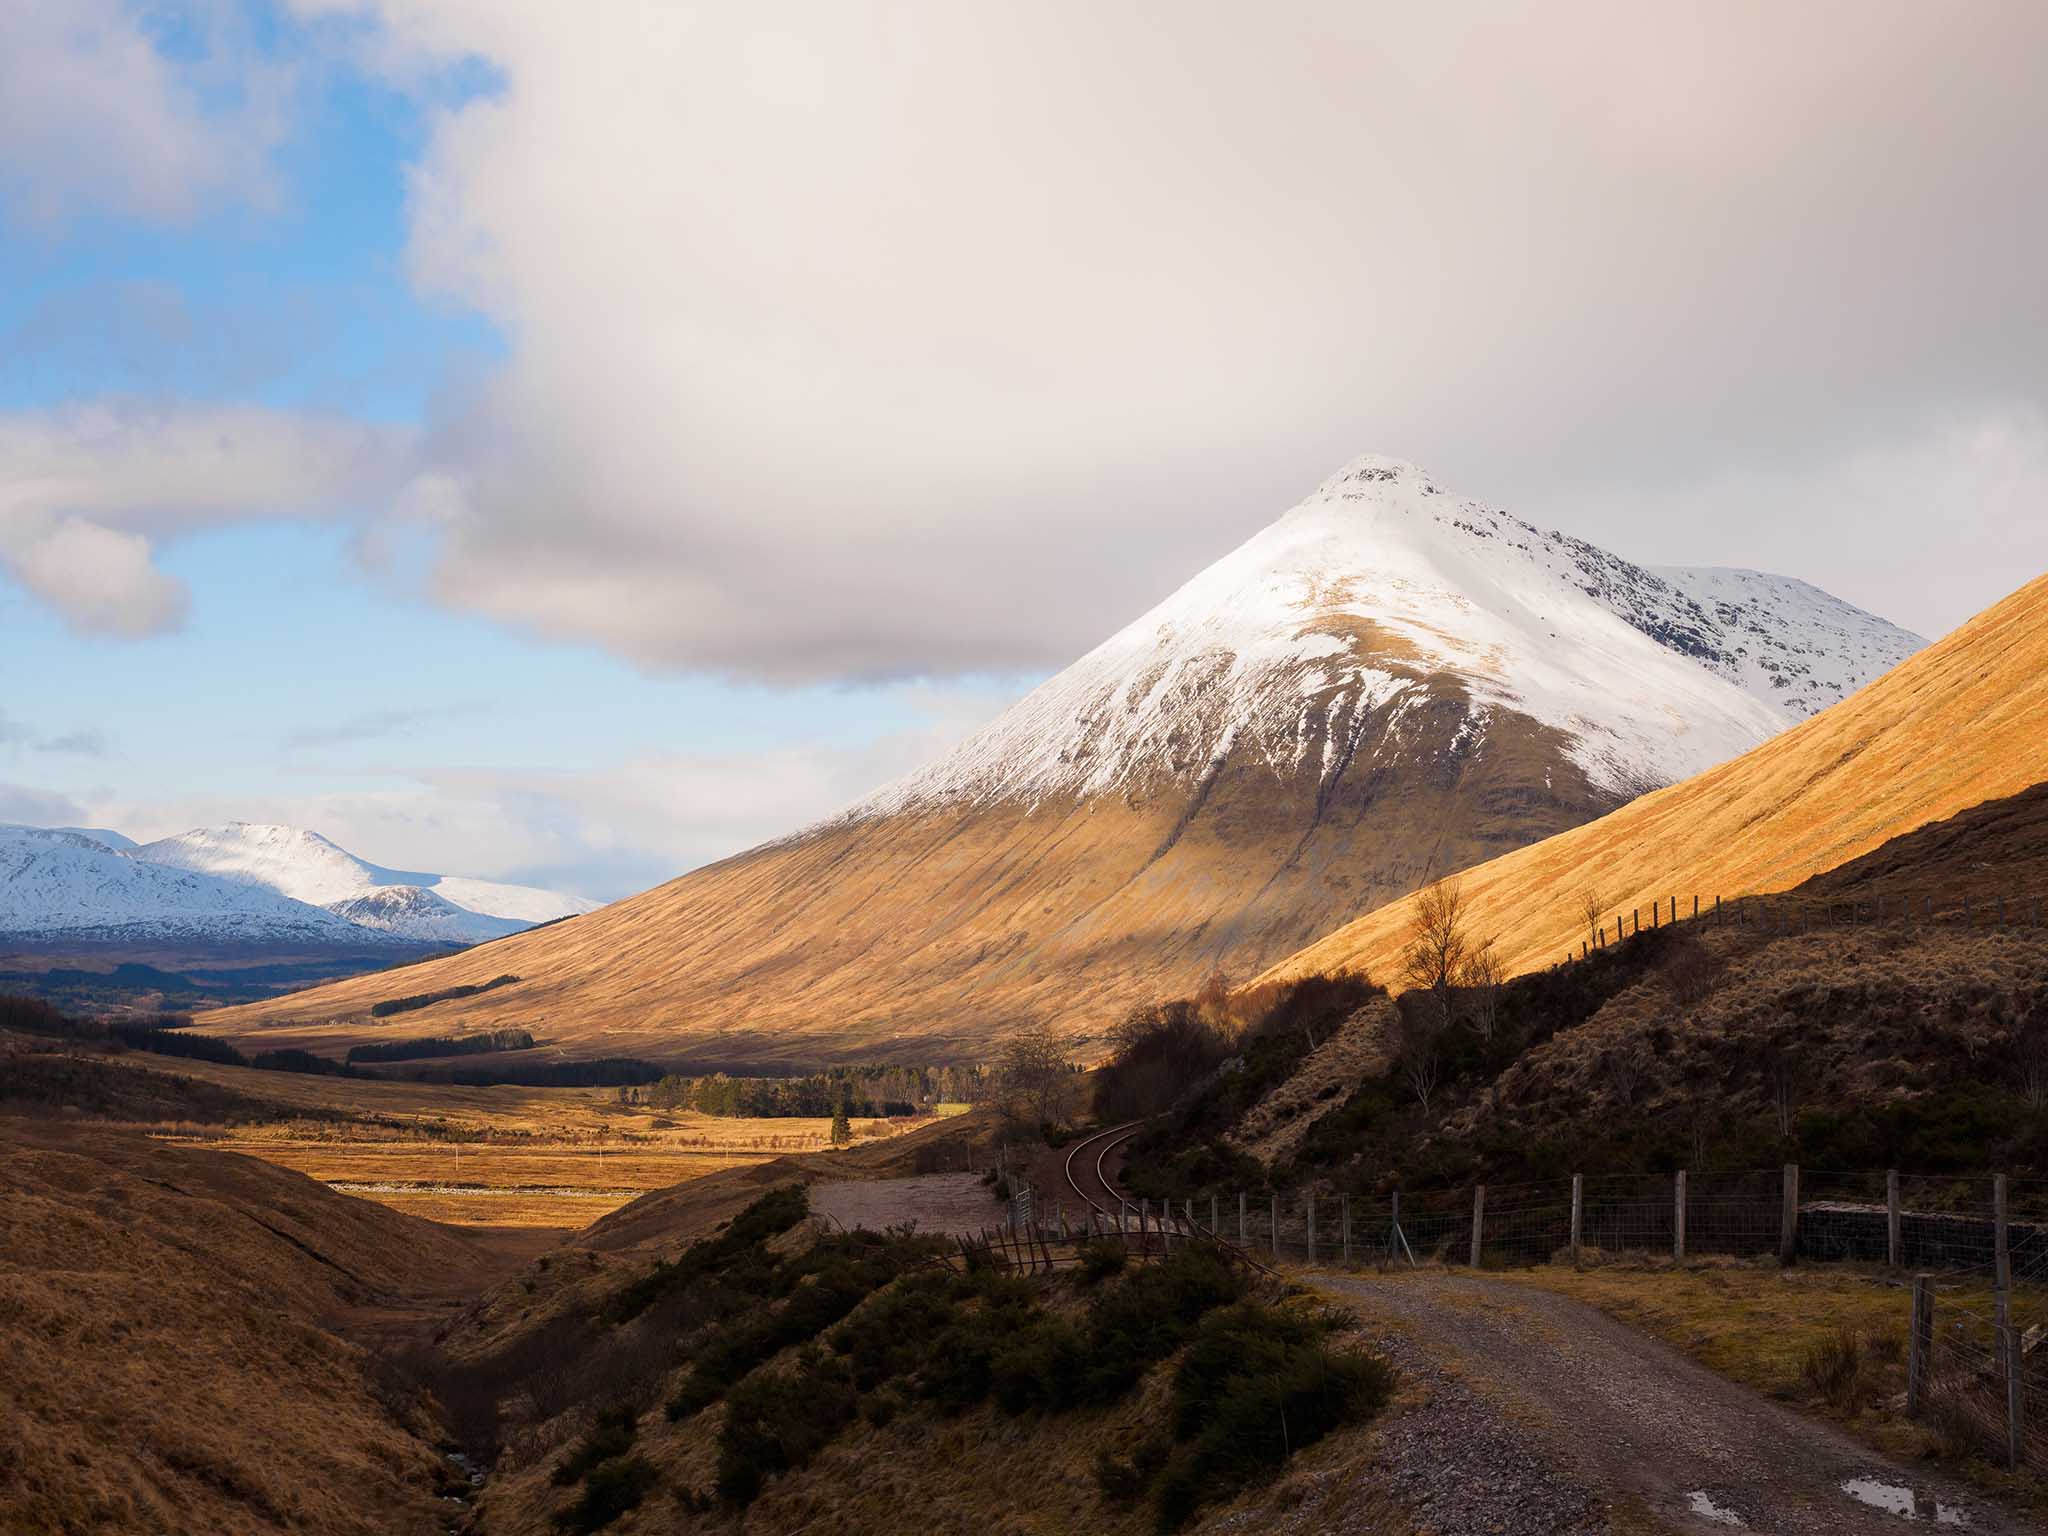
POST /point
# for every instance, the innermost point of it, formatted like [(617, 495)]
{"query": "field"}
[(485, 1157)]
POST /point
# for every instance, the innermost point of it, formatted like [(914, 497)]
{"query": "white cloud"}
[(100, 580), (850, 340), (33, 807), (84, 490), (604, 834), (1925, 529), (93, 116)]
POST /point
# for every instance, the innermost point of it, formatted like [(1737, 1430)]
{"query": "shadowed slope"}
[(1963, 722), (169, 1361)]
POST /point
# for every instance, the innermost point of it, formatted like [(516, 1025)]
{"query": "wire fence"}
[(1976, 1244), (1789, 913)]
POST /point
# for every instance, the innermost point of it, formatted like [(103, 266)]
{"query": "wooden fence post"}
[(1344, 1225), (1788, 1223), (2002, 1253), (1920, 1344), (1215, 1218), (2015, 1399), (1578, 1214), (1478, 1220), (1394, 1231), (1276, 1224), (1678, 1219), (1244, 1222), (1894, 1232)]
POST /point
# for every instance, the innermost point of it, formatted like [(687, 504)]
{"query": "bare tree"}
[(2030, 1055), (1786, 1075), (1699, 1136), (1034, 1078), (1482, 975), (1626, 1068), (1592, 904), (1418, 1035), (1437, 944)]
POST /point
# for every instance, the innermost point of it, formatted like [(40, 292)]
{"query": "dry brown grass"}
[(1865, 1015), (166, 1368), (1954, 726), (497, 1156)]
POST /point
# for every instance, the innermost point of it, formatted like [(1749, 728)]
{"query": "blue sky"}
[(300, 680), (562, 443)]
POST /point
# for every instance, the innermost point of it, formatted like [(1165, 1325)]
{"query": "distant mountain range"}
[(244, 885), (1388, 683)]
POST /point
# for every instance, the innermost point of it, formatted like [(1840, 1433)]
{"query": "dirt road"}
[(1639, 1433)]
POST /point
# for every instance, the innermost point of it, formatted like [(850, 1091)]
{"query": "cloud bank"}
[(860, 340), (84, 490)]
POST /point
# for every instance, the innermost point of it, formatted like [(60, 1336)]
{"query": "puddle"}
[(1707, 1509), (1895, 1499)]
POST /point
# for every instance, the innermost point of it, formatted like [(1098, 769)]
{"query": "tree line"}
[(871, 1092)]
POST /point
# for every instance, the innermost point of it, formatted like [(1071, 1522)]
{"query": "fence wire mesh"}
[(1981, 1240)]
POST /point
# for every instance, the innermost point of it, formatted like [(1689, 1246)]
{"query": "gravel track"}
[(1548, 1416)]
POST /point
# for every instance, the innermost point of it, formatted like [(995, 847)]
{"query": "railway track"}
[(1091, 1180), (1088, 1177)]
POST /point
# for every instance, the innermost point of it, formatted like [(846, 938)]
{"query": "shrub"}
[(1258, 1384), (778, 1422), (774, 1213), (612, 1489), (1834, 1368), (612, 1435), (1043, 1367), (823, 1286), (886, 1338), (1123, 1481), (1146, 1315), (1102, 1257)]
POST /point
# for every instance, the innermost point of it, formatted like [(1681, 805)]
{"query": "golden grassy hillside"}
[(1963, 722), (928, 934)]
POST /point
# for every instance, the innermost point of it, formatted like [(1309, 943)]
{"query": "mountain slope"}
[(61, 886), (1385, 684), (307, 867), (1959, 724)]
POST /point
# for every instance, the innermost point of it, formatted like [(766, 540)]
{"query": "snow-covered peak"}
[(418, 913), (1380, 588), (68, 886), (1786, 640), (107, 837), (304, 865), (290, 860)]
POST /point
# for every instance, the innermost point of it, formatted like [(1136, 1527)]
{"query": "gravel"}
[(1549, 1416)]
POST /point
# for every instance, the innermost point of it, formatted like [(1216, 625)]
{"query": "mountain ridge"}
[(1386, 683), (59, 886)]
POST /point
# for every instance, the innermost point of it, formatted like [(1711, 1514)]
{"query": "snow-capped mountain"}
[(418, 913), (1783, 639), (246, 884), (1380, 587), (1387, 684), (410, 903), (64, 886), (104, 836)]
